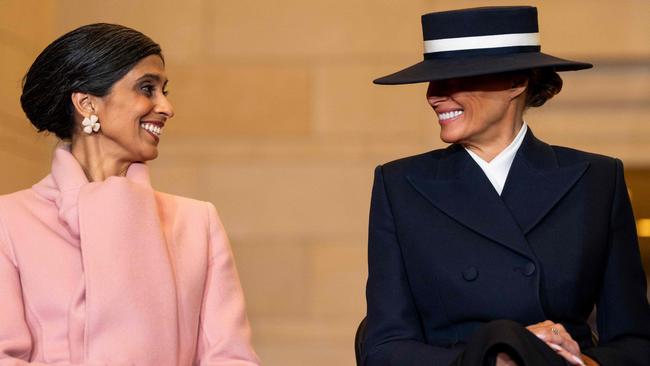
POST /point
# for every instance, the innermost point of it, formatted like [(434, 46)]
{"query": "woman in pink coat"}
[(97, 268)]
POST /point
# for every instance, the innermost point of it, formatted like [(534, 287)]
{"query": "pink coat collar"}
[(66, 180)]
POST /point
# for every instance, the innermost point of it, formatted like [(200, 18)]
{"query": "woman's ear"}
[(519, 85), (83, 104)]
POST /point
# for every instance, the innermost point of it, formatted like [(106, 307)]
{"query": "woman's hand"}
[(560, 340)]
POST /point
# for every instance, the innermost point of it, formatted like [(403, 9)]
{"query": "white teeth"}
[(157, 130), (449, 115)]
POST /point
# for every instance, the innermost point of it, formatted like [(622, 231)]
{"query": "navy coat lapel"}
[(536, 182), (460, 189)]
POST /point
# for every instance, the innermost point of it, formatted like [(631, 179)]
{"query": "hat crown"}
[(479, 41), (475, 22)]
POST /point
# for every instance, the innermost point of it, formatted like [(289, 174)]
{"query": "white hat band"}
[(480, 42)]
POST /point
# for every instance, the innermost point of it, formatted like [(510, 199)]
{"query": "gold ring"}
[(555, 331)]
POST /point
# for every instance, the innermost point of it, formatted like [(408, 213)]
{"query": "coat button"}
[(529, 269), (470, 274)]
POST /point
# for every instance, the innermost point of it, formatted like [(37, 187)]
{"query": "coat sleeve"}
[(394, 332), (224, 335), (15, 337), (623, 313)]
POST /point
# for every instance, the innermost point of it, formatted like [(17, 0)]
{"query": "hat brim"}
[(448, 68)]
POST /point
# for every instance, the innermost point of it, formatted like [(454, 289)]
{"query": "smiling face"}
[(132, 115), (478, 111)]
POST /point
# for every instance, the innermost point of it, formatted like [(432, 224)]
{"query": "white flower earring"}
[(91, 124)]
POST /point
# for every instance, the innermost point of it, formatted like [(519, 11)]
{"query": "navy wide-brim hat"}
[(479, 41)]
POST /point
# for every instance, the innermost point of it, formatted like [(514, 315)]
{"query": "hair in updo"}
[(543, 84), (89, 59)]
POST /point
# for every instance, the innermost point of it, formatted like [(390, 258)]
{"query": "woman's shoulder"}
[(13, 196), (18, 200), (180, 200), (185, 207), (420, 160), (201, 216), (424, 165), (568, 154), (604, 164)]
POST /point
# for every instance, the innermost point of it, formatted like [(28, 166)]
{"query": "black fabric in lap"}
[(511, 338)]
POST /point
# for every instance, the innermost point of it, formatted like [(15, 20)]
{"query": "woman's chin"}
[(149, 153), (448, 137), (152, 156)]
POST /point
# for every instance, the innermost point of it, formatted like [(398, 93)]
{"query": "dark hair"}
[(89, 59), (543, 84)]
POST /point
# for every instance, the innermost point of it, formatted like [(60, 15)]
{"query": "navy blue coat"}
[(447, 254)]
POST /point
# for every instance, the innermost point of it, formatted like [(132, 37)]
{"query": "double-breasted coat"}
[(447, 254)]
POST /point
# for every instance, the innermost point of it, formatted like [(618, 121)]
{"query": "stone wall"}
[(278, 124)]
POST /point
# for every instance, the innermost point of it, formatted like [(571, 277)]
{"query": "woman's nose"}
[(435, 100), (434, 95), (164, 106)]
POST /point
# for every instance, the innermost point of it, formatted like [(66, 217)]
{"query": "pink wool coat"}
[(114, 273)]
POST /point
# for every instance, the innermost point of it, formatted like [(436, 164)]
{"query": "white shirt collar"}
[(497, 169)]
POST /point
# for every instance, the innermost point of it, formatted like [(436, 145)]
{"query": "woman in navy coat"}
[(496, 249)]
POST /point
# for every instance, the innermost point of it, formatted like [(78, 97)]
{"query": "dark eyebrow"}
[(155, 77)]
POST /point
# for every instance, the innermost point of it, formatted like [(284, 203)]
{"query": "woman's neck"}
[(96, 159), (492, 146)]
